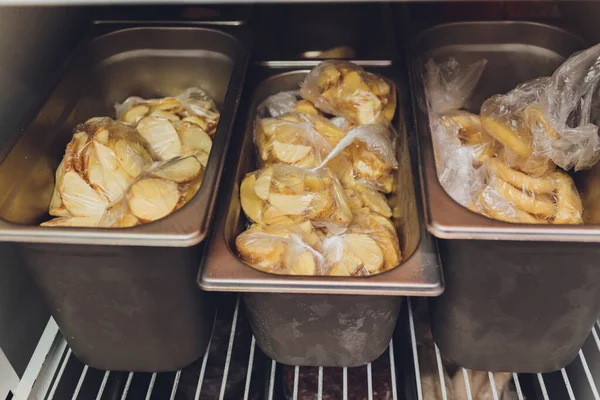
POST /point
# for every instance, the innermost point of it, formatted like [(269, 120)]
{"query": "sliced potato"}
[(181, 170), (79, 198), (375, 200), (304, 264), (132, 156), (290, 204), (263, 183), (162, 136), (289, 153), (153, 198), (274, 216), (194, 137), (135, 113), (72, 221), (202, 157), (366, 249), (251, 203), (164, 114)]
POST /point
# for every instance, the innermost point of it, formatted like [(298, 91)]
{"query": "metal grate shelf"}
[(235, 368)]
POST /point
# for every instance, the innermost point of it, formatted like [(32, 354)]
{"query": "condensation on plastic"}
[(103, 158), (193, 102), (282, 249), (285, 194), (448, 86), (344, 89), (366, 153), (369, 246), (158, 191)]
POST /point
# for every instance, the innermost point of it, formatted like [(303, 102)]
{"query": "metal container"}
[(121, 304), (320, 320), (518, 297)]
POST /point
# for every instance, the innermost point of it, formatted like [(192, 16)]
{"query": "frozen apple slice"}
[(162, 136), (181, 170), (132, 156), (365, 248), (263, 183), (251, 203), (135, 113), (375, 200), (152, 199), (289, 153), (72, 222), (79, 197), (194, 138), (304, 264), (290, 204)]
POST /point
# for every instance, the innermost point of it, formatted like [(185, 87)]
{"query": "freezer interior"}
[(39, 43)]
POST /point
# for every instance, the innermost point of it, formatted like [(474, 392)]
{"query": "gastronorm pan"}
[(125, 299), (518, 297), (310, 320)]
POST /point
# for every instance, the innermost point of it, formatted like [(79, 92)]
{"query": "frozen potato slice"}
[(132, 156), (304, 264), (348, 264), (79, 198), (375, 201), (135, 113), (181, 171), (202, 157), (164, 114), (57, 207), (194, 137), (152, 199), (95, 173), (162, 136), (263, 183), (127, 221), (72, 222), (251, 203), (289, 153), (366, 249), (290, 204), (197, 121)]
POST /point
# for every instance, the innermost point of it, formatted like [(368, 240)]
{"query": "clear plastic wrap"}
[(285, 194), (102, 159), (514, 196), (193, 105), (369, 246), (282, 249), (344, 89), (160, 190), (285, 102), (366, 153), (460, 144)]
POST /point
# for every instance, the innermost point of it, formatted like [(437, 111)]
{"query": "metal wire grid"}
[(233, 368), (579, 380)]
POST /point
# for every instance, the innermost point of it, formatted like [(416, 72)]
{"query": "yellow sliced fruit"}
[(290, 204), (181, 170), (135, 113), (79, 198), (251, 203), (72, 222), (152, 199), (162, 136), (263, 183), (366, 249), (289, 153)]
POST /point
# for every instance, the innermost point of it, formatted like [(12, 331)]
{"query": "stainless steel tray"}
[(144, 61), (419, 273)]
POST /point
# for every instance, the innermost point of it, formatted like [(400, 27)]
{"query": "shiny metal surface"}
[(516, 51), (222, 270), (144, 61)]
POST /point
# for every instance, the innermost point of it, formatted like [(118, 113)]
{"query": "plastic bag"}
[(295, 138), (365, 153), (102, 159), (284, 194), (193, 105), (285, 102), (344, 89), (459, 142), (160, 190), (369, 246), (282, 249), (513, 196)]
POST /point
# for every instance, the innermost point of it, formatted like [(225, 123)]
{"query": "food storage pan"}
[(518, 297), (125, 299), (319, 320)]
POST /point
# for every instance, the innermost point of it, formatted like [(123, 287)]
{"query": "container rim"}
[(444, 217), (187, 226), (222, 270)]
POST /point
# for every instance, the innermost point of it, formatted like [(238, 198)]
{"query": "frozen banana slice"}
[(132, 156), (135, 113), (366, 249), (162, 136), (290, 204), (375, 200), (79, 198), (251, 203), (152, 199), (181, 171), (289, 153), (72, 222)]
